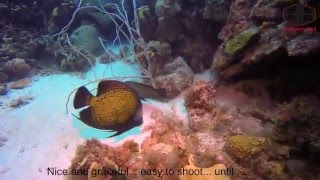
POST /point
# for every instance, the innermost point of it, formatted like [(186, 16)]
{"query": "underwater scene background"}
[(159, 89)]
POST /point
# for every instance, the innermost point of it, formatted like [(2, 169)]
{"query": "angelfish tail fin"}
[(82, 98)]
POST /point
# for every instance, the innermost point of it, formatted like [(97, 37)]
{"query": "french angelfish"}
[(117, 105)]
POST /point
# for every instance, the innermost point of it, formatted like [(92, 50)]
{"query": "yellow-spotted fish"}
[(117, 105)]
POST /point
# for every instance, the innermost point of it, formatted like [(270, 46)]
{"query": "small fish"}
[(117, 105)]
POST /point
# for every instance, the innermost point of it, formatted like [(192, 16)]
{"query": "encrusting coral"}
[(241, 41), (242, 147)]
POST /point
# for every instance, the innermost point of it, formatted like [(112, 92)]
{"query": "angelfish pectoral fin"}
[(145, 100), (116, 134)]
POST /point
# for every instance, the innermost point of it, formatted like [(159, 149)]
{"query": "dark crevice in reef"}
[(297, 76), (287, 76)]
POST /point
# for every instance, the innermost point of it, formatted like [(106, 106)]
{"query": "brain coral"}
[(240, 146), (86, 37)]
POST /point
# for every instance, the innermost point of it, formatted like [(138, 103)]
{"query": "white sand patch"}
[(40, 134)]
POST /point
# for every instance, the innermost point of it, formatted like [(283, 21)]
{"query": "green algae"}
[(241, 41)]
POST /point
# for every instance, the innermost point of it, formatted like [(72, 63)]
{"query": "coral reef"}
[(216, 11), (203, 112), (158, 54), (96, 155), (28, 45), (175, 77), (259, 116), (227, 55), (68, 59), (3, 77), (16, 67), (292, 119), (61, 12), (36, 13), (170, 145), (147, 19), (163, 149), (174, 23), (296, 46), (273, 42), (171, 74), (99, 20), (215, 134)]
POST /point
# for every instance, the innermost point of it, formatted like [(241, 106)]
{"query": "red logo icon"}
[(299, 14)]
